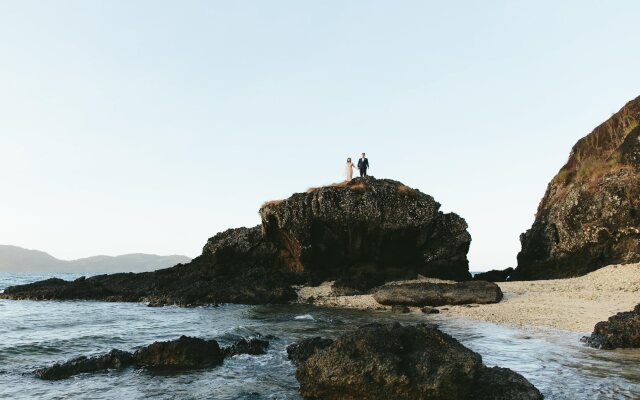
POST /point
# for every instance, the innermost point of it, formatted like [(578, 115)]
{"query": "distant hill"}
[(17, 259)]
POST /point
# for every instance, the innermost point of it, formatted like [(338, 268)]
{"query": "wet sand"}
[(574, 304)]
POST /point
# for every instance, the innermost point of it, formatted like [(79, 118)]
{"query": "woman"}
[(350, 168)]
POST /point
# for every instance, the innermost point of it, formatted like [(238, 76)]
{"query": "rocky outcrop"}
[(253, 346), (183, 353), (302, 350), (360, 234), (419, 294), (405, 362), (236, 266), (378, 229), (589, 216), (495, 275), (619, 331), (115, 359)]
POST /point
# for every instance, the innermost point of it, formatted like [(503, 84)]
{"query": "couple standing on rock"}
[(363, 165)]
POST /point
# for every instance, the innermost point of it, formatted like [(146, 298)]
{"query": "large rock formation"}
[(405, 362), (183, 353), (589, 216), (236, 266), (363, 233), (619, 331), (419, 294), (367, 226)]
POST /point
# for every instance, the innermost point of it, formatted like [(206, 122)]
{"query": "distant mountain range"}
[(18, 259)]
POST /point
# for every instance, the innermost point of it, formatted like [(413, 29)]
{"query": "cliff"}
[(367, 226), (361, 233), (589, 216)]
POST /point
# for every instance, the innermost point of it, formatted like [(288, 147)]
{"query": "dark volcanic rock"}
[(503, 384), (400, 362), (619, 331), (495, 275), (367, 226), (420, 294), (300, 351), (360, 234), (115, 359), (429, 310), (589, 216), (251, 346), (237, 266), (185, 352), (400, 309)]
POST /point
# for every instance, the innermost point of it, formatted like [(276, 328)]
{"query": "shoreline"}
[(572, 304)]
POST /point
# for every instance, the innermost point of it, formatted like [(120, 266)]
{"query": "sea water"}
[(34, 334)]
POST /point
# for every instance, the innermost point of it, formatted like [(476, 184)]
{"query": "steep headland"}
[(362, 233), (589, 216)]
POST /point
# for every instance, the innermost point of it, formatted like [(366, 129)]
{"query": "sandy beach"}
[(574, 304)]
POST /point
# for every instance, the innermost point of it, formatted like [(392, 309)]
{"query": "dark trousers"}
[(363, 172)]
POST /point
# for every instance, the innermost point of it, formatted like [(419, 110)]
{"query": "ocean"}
[(36, 334)]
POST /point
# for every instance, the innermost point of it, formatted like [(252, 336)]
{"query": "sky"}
[(149, 126)]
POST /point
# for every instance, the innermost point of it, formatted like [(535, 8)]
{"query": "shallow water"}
[(36, 334)]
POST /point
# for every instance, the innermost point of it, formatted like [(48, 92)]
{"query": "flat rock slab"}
[(420, 294)]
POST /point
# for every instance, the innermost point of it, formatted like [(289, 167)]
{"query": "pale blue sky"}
[(148, 126)]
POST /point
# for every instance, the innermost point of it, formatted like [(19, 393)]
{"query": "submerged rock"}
[(115, 359), (402, 362), (589, 216), (429, 310), (495, 275), (377, 228), (185, 352), (619, 331), (420, 294), (251, 346), (300, 351)]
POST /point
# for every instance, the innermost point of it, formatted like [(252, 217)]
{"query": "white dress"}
[(350, 168)]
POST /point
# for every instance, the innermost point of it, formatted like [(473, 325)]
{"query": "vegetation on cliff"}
[(589, 216)]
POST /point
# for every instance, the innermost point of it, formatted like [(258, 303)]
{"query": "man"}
[(363, 165)]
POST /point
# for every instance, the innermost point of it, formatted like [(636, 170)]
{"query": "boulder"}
[(185, 352), (619, 331), (429, 310), (399, 362), (253, 346), (300, 351), (378, 228), (426, 293), (399, 309), (503, 384), (115, 359), (495, 275), (589, 216)]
